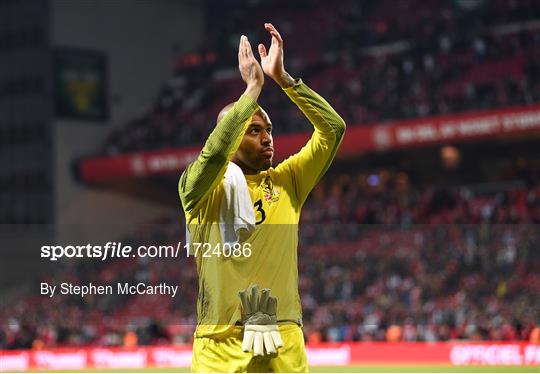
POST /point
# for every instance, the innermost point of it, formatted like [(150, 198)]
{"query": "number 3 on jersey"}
[(262, 214)]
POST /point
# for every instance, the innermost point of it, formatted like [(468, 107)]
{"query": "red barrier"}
[(328, 354), (358, 139), (485, 353)]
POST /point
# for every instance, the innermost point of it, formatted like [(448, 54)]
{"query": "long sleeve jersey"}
[(277, 195)]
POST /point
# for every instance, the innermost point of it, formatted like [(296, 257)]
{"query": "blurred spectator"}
[(432, 266), (380, 61)]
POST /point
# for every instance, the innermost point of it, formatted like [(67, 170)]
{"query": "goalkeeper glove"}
[(261, 332)]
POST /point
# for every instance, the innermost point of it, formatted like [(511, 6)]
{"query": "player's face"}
[(256, 151)]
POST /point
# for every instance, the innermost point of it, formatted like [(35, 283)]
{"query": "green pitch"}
[(362, 369)]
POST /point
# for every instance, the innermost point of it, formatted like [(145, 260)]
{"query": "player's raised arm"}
[(201, 176), (308, 165), (272, 61)]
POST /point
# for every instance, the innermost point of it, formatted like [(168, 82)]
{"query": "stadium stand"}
[(376, 65), (414, 262), (460, 258)]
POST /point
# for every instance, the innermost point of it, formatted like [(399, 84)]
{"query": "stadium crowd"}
[(375, 61), (379, 258), (409, 264)]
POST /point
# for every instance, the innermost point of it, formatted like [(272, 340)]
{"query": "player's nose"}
[(266, 139)]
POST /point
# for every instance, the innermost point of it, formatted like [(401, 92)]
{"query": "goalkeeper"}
[(240, 328)]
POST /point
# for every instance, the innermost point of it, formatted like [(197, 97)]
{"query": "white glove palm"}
[(261, 333)]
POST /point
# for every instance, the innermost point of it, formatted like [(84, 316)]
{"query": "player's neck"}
[(245, 169)]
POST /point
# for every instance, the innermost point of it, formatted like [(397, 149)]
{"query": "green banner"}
[(80, 84)]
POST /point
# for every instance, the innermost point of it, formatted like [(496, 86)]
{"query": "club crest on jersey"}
[(270, 194)]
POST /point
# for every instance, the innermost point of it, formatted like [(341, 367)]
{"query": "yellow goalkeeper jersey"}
[(277, 195)]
